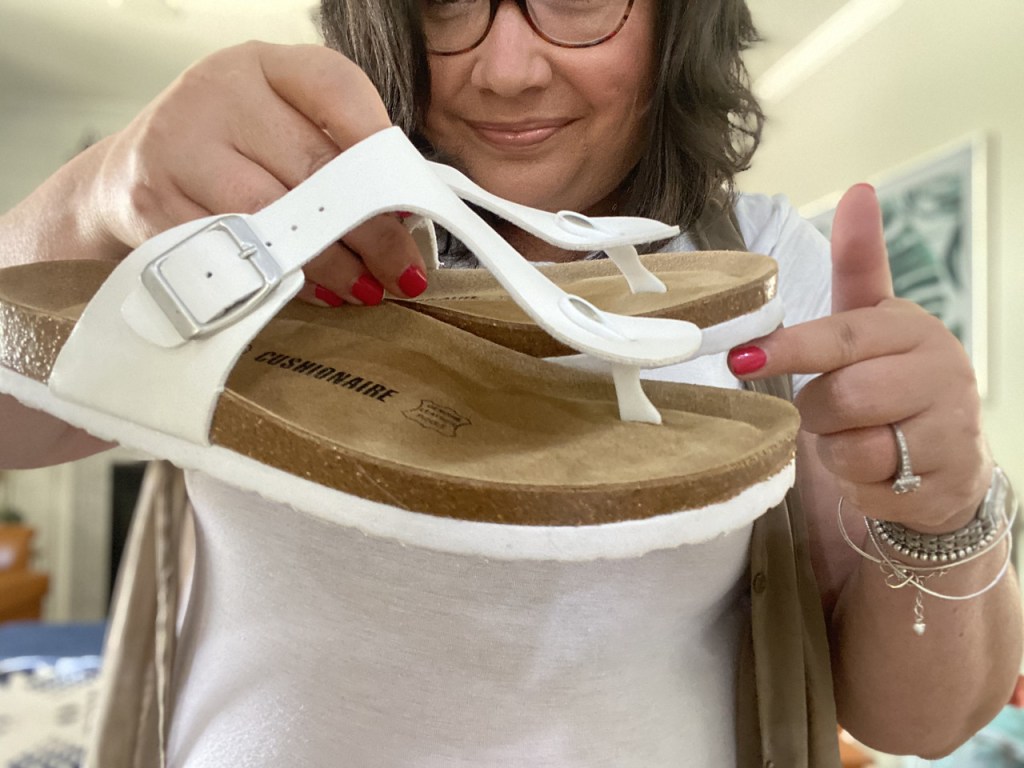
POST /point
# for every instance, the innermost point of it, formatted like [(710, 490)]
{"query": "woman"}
[(632, 107)]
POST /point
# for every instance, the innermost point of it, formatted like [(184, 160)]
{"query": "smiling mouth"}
[(517, 135)]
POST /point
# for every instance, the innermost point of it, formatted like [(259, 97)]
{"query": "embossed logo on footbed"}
[(439, 418)]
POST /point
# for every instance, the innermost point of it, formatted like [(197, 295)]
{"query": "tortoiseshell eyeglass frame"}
[(525, 10)]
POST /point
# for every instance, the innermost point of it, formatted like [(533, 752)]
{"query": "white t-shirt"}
[(306, 643)]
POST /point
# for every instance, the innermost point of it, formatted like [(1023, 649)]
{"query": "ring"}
[(906, 481)]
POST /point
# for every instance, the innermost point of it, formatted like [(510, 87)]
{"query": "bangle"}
[(998, 501)]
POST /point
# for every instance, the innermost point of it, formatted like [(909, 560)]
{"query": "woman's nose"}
[(512, 58)]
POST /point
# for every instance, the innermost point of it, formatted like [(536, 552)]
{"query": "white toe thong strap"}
[(617, 236)]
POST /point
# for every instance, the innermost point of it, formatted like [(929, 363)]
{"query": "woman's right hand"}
[(234, 133)]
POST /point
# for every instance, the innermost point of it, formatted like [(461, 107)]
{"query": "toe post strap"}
[(639, 277), (634, 405)]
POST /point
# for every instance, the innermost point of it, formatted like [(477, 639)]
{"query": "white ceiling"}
[(125, 50), (783, 24)]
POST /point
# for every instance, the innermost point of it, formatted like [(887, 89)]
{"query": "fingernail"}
[(327, 296), (402, 215), (413, 282), (368, 291), (746, 360)]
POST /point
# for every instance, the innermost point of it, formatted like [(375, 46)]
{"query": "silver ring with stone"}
[(906, 481)]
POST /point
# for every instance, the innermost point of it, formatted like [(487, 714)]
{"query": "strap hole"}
[(268, 244), (209, 275), (295, 227), (321, 209)]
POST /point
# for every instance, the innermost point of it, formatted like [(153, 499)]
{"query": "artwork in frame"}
[(934, 211)]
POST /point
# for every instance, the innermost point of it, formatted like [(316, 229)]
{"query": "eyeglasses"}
[(456, 26)]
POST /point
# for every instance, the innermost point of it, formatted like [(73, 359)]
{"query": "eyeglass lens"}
[(454, 26)]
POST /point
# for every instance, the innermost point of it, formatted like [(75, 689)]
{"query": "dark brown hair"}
[(705, 122)]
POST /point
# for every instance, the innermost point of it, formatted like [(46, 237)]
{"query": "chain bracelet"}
[(900, 575)]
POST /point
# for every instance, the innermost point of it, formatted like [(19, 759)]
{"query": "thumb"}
[(860, 261)]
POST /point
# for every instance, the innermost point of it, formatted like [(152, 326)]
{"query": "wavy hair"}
[(705, 123)]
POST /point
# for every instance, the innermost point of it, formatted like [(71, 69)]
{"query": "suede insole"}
[(394, 406)]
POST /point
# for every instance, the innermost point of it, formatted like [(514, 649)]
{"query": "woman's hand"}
[(234, 133), (883, 361)]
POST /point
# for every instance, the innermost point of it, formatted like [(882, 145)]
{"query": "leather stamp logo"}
[(440, 418)]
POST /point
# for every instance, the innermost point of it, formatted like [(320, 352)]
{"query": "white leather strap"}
[(108, 366), (616, 235), (386, 173), (133, 353)]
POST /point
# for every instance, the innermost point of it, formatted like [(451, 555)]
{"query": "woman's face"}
[(550, 127)]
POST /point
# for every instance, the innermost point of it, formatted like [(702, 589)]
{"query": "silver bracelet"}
[(997, 501), (978, 534)]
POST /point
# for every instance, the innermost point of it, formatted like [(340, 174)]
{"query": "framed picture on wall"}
[(934, 212)]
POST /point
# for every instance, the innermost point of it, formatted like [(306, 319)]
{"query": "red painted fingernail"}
[(368, 291), (746, 360), (327, 296), (413, 282), (402, 215)]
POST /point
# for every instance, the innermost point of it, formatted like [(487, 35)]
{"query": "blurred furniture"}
[(21, 589)]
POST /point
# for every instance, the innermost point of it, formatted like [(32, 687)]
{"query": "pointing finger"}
[(829, 343), (860, 261)]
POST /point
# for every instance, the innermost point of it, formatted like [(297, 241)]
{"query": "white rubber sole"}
[(739, 330), (626, 539), (609, 541)]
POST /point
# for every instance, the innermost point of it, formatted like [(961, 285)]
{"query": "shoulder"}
[(772, 226)]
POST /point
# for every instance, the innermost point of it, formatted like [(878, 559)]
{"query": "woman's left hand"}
[(883, 361)]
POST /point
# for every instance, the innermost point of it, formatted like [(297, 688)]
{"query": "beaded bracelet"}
[(978, 534), (939, 548)]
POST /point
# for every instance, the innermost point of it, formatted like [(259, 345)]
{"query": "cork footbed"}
[(704, 288), (395, 407)]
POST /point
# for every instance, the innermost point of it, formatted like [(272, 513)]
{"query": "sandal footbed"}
[(704, 287), (393, 406)]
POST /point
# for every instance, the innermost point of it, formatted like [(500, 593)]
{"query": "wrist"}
[(955, 519), (978, 531), (951, 524), (90, 195)]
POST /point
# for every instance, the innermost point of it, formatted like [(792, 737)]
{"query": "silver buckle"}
[(250, 249)]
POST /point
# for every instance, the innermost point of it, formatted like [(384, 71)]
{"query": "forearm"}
[(33, 439), (55, 222), (58, 220), (908, 694)]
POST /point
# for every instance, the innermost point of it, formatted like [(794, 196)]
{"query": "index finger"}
[(338, 97), (830, 343), (326, 87)]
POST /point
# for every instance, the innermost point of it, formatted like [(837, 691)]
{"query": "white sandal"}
[(178, 353)]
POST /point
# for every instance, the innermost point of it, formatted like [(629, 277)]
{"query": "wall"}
[(932, 73)]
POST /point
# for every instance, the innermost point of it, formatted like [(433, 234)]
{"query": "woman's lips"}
[(517, 135)]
